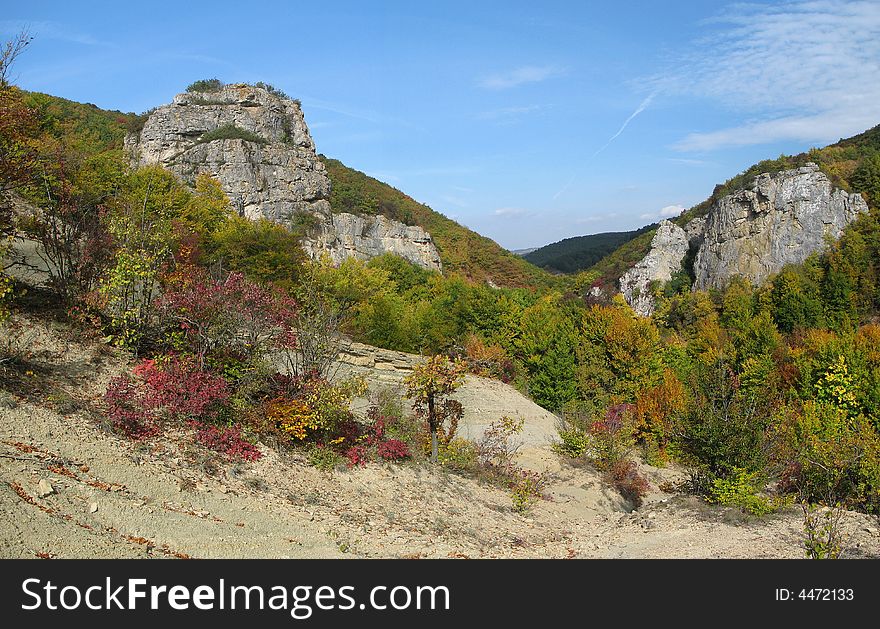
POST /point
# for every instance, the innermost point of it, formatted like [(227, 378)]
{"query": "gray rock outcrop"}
[(668, 248), (365, 237), (268, 168), (780, 219)]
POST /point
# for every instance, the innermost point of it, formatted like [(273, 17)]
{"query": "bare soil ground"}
[(168, 498)]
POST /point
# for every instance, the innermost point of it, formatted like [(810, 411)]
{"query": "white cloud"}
[(688, 162), (807, 71), (595, 218), (509, 114), (510, 212), (521, 76), (668, 211)]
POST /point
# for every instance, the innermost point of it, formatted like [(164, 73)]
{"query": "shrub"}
[(324, 458), (486, 360), (228, 441), (231, 132), (831, 456), (612, 436), (229, 317), (495, 446), (525, 488), (625, 477), (356, 455), (317, 411), (393, 450), (823, 537), (176, 385), (742, 489), (573, 442), (271, 89), (459, 455), (205, 85), (127, 410)]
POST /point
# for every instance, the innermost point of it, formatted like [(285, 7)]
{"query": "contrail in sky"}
[(642, 107)]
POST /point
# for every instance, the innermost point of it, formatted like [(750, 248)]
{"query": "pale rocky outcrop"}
[(779, 219), (668, 248), (365, 237), (278, 178)]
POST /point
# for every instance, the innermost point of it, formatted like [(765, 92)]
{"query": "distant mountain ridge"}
[(580, 252)]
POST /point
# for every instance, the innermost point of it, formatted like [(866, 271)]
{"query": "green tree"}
[(546, 347), (429, 386), (264, 251), (141, 222), (866, 178)]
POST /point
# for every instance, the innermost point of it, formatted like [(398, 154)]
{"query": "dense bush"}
[(625, 477), (231, 132), (205, 85), (227, 441)]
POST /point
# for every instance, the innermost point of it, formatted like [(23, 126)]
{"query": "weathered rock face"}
[(781, 219), (277, 177), (668, 248), (778, 220), (365, 237)]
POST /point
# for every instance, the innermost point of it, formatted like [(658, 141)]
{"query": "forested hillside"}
[(581, 252), (463, 251), (852, 164)]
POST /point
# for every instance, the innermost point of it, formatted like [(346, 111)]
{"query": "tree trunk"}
[(432, 423)]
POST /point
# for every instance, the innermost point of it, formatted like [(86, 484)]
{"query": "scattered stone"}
[(45, 488), (93, 507)]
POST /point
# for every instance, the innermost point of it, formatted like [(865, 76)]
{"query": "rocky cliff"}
[(668, 248), (780, 219), (257, 145), (777, 220)]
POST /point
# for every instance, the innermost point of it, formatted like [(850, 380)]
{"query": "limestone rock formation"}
[(668, 248), (780, 219), (257, 145), (365, 237)]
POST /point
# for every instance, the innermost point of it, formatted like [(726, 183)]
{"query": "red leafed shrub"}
[(228, 441), (177, 385), (625, 477), (127, 409), (233, 316), (356, 455), (393, 450)]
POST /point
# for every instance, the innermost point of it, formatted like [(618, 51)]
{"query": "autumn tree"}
[(65, 217), (18, 124), (429, 386)]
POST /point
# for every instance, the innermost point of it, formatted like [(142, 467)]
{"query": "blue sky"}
[(526, 121)]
